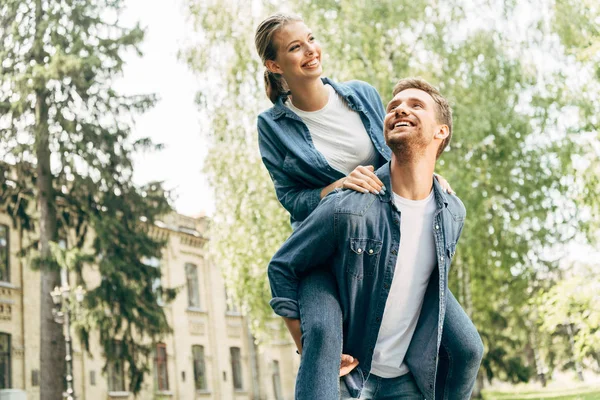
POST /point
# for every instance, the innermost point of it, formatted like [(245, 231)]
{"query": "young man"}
[(390, 254)]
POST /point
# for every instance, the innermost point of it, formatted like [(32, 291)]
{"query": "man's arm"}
[(309, 246)]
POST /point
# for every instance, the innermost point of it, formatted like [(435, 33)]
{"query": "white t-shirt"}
[(338, 133), (415, 263)]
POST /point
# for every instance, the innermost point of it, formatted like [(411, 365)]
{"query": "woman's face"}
[(298, 53)]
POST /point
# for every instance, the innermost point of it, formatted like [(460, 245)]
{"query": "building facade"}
[(210, 355)]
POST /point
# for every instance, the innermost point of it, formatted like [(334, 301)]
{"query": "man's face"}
[(411, 122)]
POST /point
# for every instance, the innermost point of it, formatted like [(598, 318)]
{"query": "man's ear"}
[(273, 67), (442, 132)]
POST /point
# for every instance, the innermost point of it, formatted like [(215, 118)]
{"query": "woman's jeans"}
[(377, 388), (321, 321)]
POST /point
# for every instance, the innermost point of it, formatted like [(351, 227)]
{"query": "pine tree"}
[(59, 113)]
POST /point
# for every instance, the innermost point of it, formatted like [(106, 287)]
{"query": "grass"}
[(581, 393)]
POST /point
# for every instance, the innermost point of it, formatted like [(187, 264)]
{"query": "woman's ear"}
[(273, 67)]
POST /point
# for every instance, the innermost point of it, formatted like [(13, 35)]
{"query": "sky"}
[(174, 121)]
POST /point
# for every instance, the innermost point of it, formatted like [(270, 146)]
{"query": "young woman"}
[(319, 136)]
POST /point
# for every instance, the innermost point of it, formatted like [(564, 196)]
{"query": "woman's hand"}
[(348, 364), (444, 184), (363, 179)]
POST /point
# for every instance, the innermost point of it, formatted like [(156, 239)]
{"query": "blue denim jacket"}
[(358, 236), (297, 169)]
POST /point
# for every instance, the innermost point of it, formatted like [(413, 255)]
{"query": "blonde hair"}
[(264, 40), (443, 112)]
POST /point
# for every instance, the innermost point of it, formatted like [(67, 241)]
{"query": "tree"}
[(569, 310), (510, 159), (64, 129)]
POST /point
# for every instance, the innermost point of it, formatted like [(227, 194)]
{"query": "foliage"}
[(59, 62), (513, 159), (573, 301)]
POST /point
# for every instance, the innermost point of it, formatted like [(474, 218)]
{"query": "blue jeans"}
[(376, 388), (460, 354), (321, 321)]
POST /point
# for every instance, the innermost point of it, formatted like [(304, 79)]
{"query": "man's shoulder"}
[(347, 201), (456, 206)]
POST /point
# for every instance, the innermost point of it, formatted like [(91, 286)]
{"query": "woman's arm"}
[(296, 198), (362, 179)]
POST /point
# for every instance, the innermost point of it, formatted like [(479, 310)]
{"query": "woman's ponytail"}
[(275, 85)]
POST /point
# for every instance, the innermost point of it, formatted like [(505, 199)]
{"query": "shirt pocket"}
[(363, 256)]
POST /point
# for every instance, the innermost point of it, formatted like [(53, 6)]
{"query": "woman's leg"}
[(460, 354), (321, 321)]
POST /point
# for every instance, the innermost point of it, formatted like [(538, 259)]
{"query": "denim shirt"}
[(358, 236), (298, 170)]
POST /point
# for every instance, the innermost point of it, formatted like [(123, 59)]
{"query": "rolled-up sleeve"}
[(309, 247), (295, 197)]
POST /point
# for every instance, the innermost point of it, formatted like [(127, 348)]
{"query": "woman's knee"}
[(470, 353), (325, 328)]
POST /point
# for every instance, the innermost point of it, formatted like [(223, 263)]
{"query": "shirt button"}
[(437, 227), (394, 252), (378, 319), (359, 251), (386, 285), (370, 251), (442, 259)]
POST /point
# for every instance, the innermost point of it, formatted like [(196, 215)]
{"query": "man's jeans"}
[(376, 388), (321, 322)]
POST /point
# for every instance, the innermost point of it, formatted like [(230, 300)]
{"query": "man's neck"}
[(309, 95), (412, 178)]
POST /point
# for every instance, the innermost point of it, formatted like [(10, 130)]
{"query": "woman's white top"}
[(338, 133)]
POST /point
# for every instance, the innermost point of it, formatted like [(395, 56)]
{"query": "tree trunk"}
[(478, 386), (576, 362), (52, 345), (540, 366)]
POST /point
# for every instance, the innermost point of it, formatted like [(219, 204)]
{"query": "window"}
[(199, 367), (4, 254), (191, 273), (92, 378), (160, 367), (116, 372), (35, 377), (157, 282), (5, 361), (236, 368), (231, 307), (277, 381)]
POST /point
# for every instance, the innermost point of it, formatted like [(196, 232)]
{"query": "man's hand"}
[(348, 364)]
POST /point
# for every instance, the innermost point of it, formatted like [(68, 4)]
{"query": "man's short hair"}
[(443, 112)]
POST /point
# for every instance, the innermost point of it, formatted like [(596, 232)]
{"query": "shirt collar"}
[(279, 109), (384, 174)]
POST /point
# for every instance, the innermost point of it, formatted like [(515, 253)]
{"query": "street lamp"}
[(63, 304)]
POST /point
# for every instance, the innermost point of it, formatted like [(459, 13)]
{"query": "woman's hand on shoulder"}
[(363, 179), (444, 184)]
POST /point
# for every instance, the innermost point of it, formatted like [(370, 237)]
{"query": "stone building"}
[(210, 355)]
